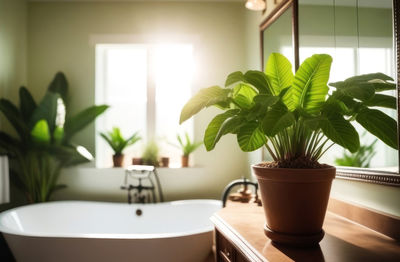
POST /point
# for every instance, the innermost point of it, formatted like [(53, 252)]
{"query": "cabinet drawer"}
[(225, 250)]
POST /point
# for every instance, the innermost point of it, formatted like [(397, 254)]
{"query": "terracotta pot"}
[(137, 161), (295, 202), (165, 161), (185, 161), (118, 160)]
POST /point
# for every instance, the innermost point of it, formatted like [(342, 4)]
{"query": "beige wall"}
[(60, 38), (13, 14)]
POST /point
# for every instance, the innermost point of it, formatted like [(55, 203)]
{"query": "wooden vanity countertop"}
[(344, 240)]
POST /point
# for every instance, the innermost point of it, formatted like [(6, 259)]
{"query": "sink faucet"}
[(245, 182)]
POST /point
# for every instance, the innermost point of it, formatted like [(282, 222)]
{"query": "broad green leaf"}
[(204, 98), (314, 122), (41, 132), (267, 100), (81, 120), (309, 87), (234, 77), (333, 104), (340, 131), (380, 125), (382, 101), (47, 109), (58, 134), (26, 103), (277, 119), (13, 115), (279, 72), (214, 126), (243, 96), (382, 86), (59, 85), (230, 125), (258, 80), (369, 77), (250, 137), (243, 102), (361, 91)]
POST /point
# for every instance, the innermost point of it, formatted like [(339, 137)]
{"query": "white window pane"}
[(173, 70), (125, 91)]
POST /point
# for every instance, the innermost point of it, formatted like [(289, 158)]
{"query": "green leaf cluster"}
[(187, 145), (293, 115), (43, 144), (117, 142), (150, 154)]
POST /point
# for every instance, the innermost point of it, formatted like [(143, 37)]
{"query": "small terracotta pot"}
[(165, 161), (118, 160), (185, 161), (137, 161), (295, 202)]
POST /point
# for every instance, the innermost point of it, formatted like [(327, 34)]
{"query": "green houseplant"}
[(296, 120), (187, 147), (118, 143), (361, 158), (150, 154), (43, 146)]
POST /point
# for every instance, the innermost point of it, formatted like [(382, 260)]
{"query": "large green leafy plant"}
[(293, 115), (43, 144)]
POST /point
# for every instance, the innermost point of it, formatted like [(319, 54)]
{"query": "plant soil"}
[(300, 162)]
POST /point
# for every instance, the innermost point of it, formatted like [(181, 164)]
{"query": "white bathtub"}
[(96, 231)]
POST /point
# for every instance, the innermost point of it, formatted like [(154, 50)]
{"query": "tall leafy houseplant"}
[(43, 144), (296, 120), (118, 143)]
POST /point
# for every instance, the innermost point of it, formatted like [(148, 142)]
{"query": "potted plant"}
[(187, 147), (43, 146), (296, 120), (118, 143), (150, 154), (361, 158)]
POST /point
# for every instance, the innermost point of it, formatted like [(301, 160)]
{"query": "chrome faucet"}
[(139, 173)]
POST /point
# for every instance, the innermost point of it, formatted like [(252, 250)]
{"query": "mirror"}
[(358, 34), (278, 37)]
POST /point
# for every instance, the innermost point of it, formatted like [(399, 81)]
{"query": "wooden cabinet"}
[(239, 237), (226, 251)]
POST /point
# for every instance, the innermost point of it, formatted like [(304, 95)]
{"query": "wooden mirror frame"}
[(357, 174)]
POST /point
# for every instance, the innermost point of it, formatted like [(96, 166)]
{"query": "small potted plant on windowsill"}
[(187, 147), (296, 120), (150, 154), (118, 143)]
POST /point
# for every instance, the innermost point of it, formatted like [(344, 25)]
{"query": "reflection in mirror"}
[(277, 37), (358, 34)]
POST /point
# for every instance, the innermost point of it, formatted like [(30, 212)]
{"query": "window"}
[(145, 86)]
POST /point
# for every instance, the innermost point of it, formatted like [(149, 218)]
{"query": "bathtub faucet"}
[(139, 195), (244, 195), (140, 192)]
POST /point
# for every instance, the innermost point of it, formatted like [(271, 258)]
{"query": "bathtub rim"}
[(201, 230)]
